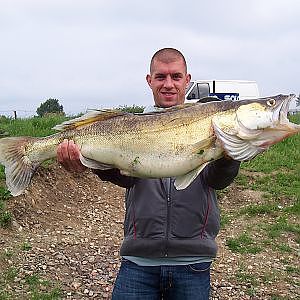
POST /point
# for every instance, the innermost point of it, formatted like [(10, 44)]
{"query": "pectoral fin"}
[(93, 164), (235, 147), (204, 144), (181, 182)]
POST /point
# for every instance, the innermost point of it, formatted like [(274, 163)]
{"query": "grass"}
[(275, 223), (282, 247), (245, 277), (26, 246), (276, 172), (10, 274), (4, 295), (271, 231), (5, 215), (243, 244), (257, 209), (225, 220), (4, 193), (36, 126), (281, 184), (293, 270), (36, 288), (280, 226), (36, 285), (5, 218), (7, 253)]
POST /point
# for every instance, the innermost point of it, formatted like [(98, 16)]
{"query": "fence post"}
[(15, 114)]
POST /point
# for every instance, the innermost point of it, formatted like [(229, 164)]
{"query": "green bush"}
[(49, 106)]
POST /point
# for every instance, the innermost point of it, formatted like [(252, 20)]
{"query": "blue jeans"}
[(189, 282)]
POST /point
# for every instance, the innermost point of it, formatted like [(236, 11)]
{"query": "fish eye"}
[(271, 102)]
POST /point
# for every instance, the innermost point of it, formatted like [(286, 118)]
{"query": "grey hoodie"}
[(161, 221)]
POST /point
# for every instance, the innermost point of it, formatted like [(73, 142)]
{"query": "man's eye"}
[(176, 76)]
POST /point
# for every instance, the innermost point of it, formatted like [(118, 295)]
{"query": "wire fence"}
[(23, 114), (17, 113)]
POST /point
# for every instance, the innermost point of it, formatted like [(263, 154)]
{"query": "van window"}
[(200, 90), (189, 86), (203, 89), (193, 93)]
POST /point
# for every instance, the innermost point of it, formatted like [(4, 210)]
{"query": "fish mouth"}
[(280, 115), (282, 128)]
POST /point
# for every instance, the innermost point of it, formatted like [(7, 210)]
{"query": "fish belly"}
[(155, 164)]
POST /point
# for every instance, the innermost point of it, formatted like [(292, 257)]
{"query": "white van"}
[(223, 89)]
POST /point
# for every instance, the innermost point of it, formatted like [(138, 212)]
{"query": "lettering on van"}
[(227, 96)]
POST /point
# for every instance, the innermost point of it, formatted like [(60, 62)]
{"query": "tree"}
[(49, 106)]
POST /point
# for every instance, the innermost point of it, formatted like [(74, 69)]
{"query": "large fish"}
[(177, 141)]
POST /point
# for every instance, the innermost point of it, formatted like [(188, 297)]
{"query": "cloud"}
[(96, 53)]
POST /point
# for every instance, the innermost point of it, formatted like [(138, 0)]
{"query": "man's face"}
[(168, 82)]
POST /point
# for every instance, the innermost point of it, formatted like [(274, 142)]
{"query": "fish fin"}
[(90, 117), (235, 147), (183, 181), (18, 167), (199, 147), (93, 164)]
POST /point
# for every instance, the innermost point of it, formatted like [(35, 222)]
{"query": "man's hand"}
[(68, 156)]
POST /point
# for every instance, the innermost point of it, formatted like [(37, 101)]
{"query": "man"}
[(169, 241)]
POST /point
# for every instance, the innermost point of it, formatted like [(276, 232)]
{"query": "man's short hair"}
[(167, 55)]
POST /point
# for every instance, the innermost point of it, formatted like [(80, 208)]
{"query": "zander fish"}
[(177, 141)]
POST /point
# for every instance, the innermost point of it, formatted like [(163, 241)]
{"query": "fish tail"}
[(18, 167)]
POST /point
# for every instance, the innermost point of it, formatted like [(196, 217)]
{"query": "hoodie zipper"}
[(169, 186)]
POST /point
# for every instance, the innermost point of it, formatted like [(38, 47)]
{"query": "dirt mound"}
[(58, 199), (67, 228), (72, 224)]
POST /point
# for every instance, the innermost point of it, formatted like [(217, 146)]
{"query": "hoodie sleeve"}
[(221, 173), (114, 176)]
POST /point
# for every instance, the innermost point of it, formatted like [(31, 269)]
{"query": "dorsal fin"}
[(90, 117)]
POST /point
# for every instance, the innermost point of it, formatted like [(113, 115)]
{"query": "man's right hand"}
[(68, 156)]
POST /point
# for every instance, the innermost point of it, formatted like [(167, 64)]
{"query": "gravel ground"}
[(72, 227)]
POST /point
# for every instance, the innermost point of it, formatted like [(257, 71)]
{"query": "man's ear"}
[(148, 78), (188, 79)]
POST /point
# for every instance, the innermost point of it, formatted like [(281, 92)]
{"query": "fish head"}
[(254, 125)]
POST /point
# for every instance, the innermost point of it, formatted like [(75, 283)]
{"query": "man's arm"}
[(114, 176), (220, 173)]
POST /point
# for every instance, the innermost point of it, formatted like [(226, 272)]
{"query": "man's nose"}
[(168, 82)]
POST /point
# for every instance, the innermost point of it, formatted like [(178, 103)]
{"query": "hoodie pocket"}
[(189, 217)]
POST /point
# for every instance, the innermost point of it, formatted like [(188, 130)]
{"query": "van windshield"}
[(189, 86)]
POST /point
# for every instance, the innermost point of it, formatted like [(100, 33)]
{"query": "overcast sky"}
[(93, 53)]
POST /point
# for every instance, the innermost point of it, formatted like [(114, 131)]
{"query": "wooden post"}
[(15, 114)]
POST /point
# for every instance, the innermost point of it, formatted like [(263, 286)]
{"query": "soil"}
[(67, 228)]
